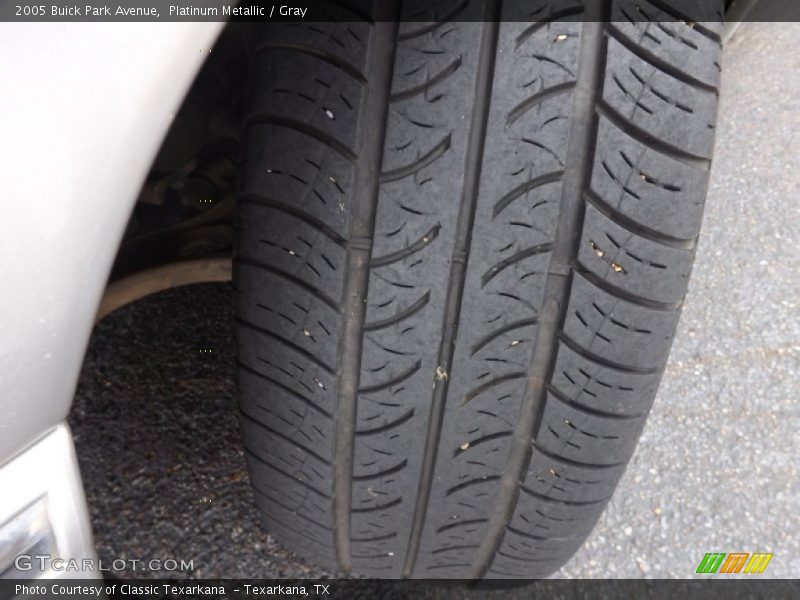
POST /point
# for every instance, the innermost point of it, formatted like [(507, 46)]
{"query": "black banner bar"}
[(298, 11), (711, 587)]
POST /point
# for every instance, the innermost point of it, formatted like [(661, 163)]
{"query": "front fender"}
[(83, 110)]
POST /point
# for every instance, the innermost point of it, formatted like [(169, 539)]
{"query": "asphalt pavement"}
[(716, 469)]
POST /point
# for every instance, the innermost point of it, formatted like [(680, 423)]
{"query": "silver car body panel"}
[(43, 512), (83, 110)]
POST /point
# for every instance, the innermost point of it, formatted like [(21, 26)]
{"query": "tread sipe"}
[(462, 250)]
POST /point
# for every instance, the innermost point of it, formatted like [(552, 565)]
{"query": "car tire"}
[(462, 250)]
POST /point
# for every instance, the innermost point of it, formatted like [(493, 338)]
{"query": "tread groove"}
[(391, 425), (400, 316), (555, 16), (390, 471), (466, 215), (445, 18), (309, 487), (290, 344), (429, 83), (490, 384), (286, 438), (376, 538), (365, 195), (599, 360), (329, 58), (285, 388), (291, 510), (498, 332), (626, 222), (419, 164), (470, 483), (610, 288), (679, 16), (564, 399), (542, 538), (652, 142), (265, 118), (253, 199), (257, 264), (369, 509), (420, 244), (538, 98), (523, 189), (498, 268), (539, 496), (577, 463), (477, 442), (577, 171), (460, 524), (392, 381), (660, 63)]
